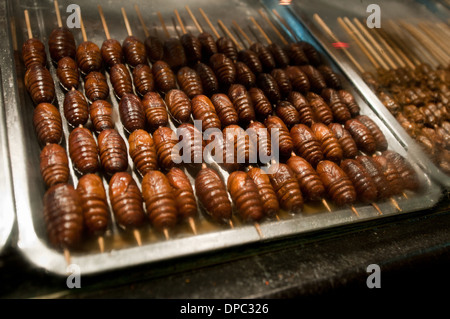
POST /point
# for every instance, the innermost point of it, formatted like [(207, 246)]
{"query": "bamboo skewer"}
[(246, 37), (228, 33), (442, 42), (127, 23), (163, 24), (286, 25), (197, 25), (408, 56), (141, 20), (209, 23), (105, 26), (263, 33), (58, 14), (390, 49), (402, 55), (275, 29), (83, 30), (27, 22), (183, 29)]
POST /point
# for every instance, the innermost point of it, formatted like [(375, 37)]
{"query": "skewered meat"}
[(301, 104), (61, 43), (330, 145), (190, 82), (362, 136), (286, 187), (366, 189), (88, 57), (131, 112), (242, 103), (345, 139), (183, 193), (33, 52), (83, 151), (155, 110), (279, 133), (39, 84), (113, 151), (143, 79), (179, 105), (224, 109), (164, 77), (261, 103), (166, 147), (76, 110), (203, 110), (47, 123), (134, 51), (67, 72), (54, 165), (121, 80), (95, 86), (143, 151), (265, 190), (306, 144), (101, 115), (112, 53), (244, 75)]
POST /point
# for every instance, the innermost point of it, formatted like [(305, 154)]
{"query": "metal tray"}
[(121, 250), (300, 18)]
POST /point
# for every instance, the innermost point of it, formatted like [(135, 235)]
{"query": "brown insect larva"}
[(287, 113), (179, 105), (330, 145), (306, 144), (101, 115), (174, 53), (83, 151), (120, 80), (166, 147), (303, 108), (245, 196), (269, 86), (296, 54), (244, 149), (365, 188), (389, 102), (227, 47), (282, 80), (322, 111), (349, 100), (286, 187), (192, 48), (94, 203), (281, 57), (260, 137), (155, 110), (189, 81), (63, 216), (143, 79), (61, 43), (67, 72), (39, 84), (251, 59), (261, 103), (264, 55), (362, 136), (266, 192), (279, 133), (376, 174), (154, 48), (113, 151), (88, 57), (76, 109), (209, 46), (316, 79), (54, 165), (331, 78), (95, 86), (164, 77), (298, 79), (407, 173), (212, 193), (223, 68), (33, 52), (310, 183), (159, 200), (131, 112), (112, 53), (191, 143), (340, 110), (348, 144), (134, 51), (225, 110), (47, 123), (337, 184), (242, 102), (376, 132), (142, 151), (244, 75), (311, 53), (183, 193), (391, 174), (209, 80), (126, 201)]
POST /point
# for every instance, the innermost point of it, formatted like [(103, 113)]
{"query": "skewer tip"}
[(230, 222), (137, 236), (325, 203), (394, 202), (354, 210), (67, 256), (192, 224), (258, 229), (101, 244), (166, 233)]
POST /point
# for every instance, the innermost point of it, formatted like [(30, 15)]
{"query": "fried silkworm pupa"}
[(311, 53), (366, 189), (94, 203), (331, 78), (362, 136), (134, 51), (242, 102), (245, 196), (244, 75), (264, 55), (166, 147), (296, 54), (183, 193), (244, 149), (281, 57), (164, 77), (54, 165), (251, 59), (83, 151), (322, 111), (209, 80), (154, 48), (299, 80), (376, 174), (391, 174), (282, 80), (47, 123), (203, 110), (303, 108), (348, 144), (209, 46), (310, 183), (340, 110), (223, 68), (261, 103), (95, 86), (89, 57), (306, 144), (330, 145), (33, 52), (61, 43), (67, 72), (191, 143), (39, 84), (192, 48), (155, 110), (380, 139), (287, 113), (143, 79), (225, 110), (120, 80), (259, 136), (131, 112), (407, 173), (159, 200), (63, 216), (279, 133), (269, 86), (227, 47), (126, 201), (189, 81), (143, 151), (337, 184), (76, 110), (316, 79), (112, 53), (286, 187), (179, 105), (212, 194), (174, 53), (269, 199), (113, 151), (101, 115)]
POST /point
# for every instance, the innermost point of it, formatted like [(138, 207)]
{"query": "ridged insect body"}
[(83, 151), (143, 151), (54, 165), (47, 123)]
